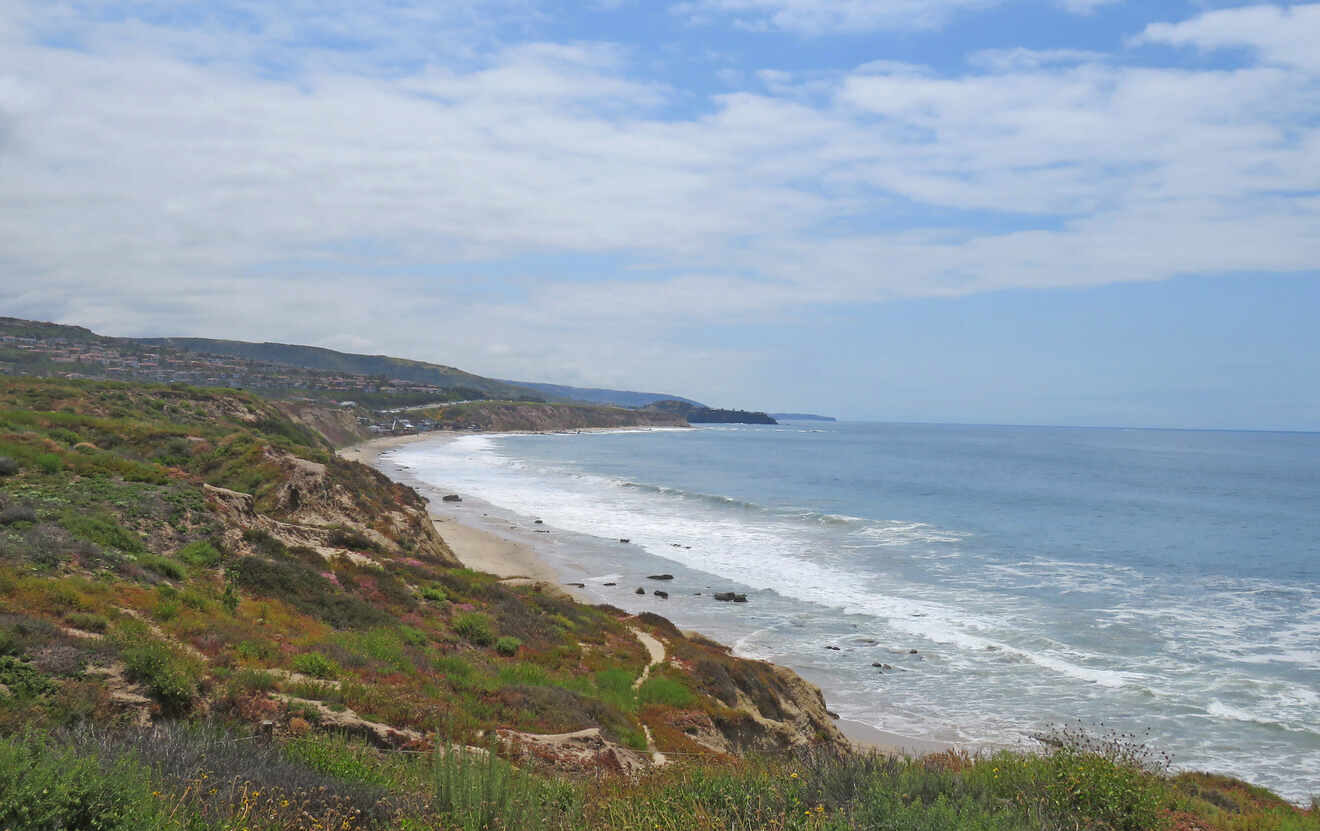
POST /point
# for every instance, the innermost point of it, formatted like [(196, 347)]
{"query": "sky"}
[(1077, 212)]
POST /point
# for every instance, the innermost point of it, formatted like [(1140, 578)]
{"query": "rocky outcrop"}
[(340, 508), (774, 709), (759, 707), (582, 751), (345, 720)]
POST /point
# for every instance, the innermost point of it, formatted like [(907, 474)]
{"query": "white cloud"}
[(1278, 35), (1019, 59), (460, 204)]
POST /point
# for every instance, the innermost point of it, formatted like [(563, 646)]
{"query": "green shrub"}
[(87, 621), (507, 645), (64, 435), (162, 566), (412, 635), (49, 463), (523, 673), (195, 600), (176, 452), (383, 645), (305, 590), (22, 679), (452, 665), (255, 650), (474, 627), (316, 665), (44, 787), (166, 609), (254, 680), (1107, 794), (665, 691), (615, 687), (337, 756), (170, 677), (435, 594), (103, 530), (199, 553)]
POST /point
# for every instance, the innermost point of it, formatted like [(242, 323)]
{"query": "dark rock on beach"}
[(640, 590), (659, 577), (730, 597), (452, 497), (624, 539), (660, 594)]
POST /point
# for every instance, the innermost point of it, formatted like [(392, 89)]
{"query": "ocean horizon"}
[(972, 584)]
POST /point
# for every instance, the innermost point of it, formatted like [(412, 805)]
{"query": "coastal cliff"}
[(210, 621), (543, 417), (274, 581)]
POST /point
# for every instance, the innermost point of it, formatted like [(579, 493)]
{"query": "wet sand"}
[(483, 550)]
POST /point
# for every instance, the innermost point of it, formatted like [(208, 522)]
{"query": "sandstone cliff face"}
[(772, 709), (338, 424), (752, 706), (338, 509)]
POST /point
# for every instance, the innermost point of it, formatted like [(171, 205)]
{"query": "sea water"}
[(1010, 578)]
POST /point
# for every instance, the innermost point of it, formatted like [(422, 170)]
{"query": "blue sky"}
[(1064, 211)]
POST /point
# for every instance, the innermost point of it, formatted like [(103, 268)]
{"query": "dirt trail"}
[(656, 649)]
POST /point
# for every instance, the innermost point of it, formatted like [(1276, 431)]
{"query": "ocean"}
[(1164, 583)]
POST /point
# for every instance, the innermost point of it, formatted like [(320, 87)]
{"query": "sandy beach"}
[(477, 548), (484, 550)]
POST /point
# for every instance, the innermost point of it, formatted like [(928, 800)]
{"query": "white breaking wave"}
[(995, 660)]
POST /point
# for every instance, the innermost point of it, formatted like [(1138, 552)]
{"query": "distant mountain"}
[(35, 348), (593, 395), (328, 360), (707, 415), (801, 417)]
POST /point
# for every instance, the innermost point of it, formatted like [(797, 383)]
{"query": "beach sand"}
[(477, 548), (484, 550)]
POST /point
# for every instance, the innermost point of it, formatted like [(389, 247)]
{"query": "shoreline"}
[(481, 549)]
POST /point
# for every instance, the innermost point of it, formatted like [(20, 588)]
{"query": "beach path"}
[(656, 650)]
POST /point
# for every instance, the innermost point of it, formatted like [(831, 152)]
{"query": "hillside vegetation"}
[(541, 417), (210, 621)]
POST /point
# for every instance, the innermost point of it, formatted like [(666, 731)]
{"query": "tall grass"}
[(59, 788), (481, 792)]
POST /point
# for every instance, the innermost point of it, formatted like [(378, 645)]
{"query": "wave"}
[(1018, 634), (1219, 709)]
